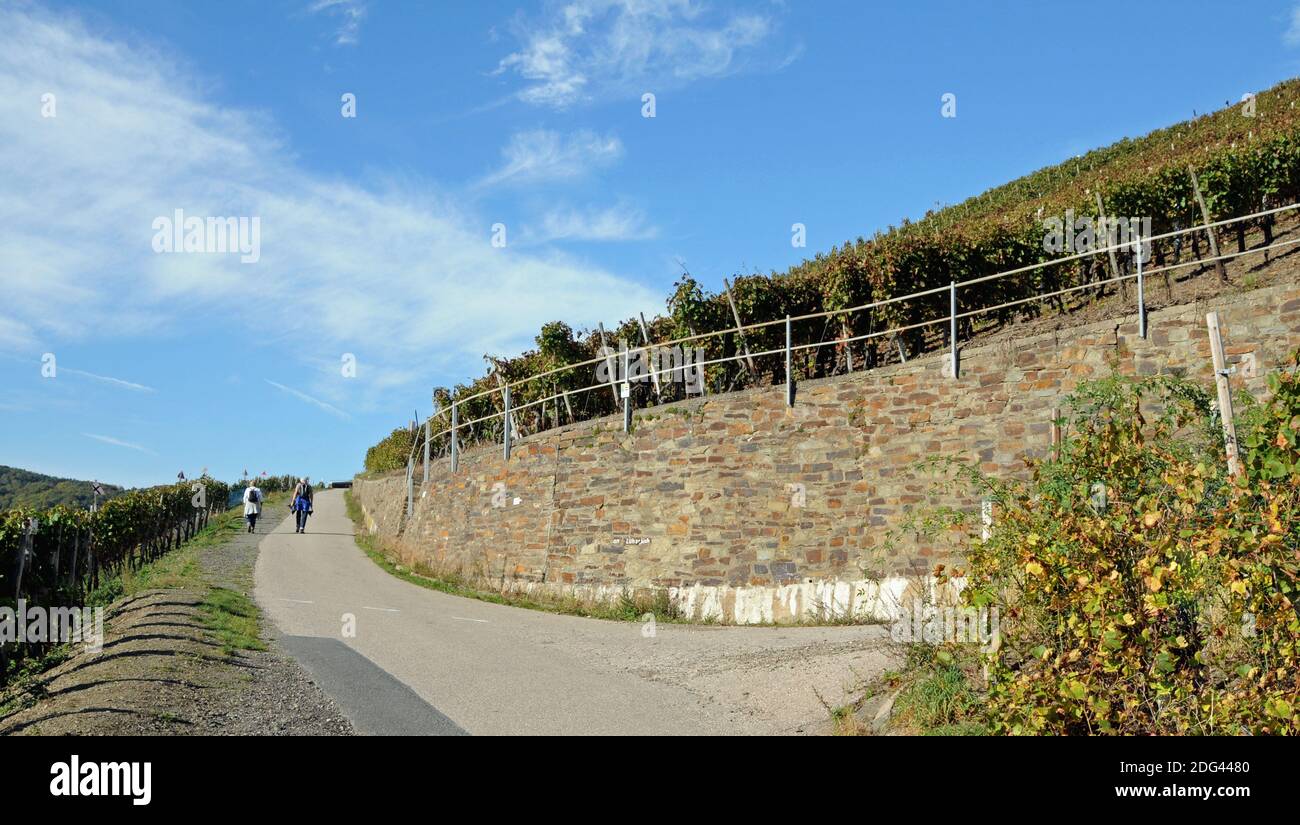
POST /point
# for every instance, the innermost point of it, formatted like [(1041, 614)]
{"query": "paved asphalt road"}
[(424, 662)]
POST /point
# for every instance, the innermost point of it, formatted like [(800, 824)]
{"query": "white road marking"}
[(296, 601), (462, 619), (384, 609)]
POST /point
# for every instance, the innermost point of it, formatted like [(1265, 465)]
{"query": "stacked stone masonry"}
[(747, 510)]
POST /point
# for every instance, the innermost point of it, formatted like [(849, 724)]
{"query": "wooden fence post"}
[(1225, 393)]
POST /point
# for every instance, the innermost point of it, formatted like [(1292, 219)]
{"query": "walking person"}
[(252, 505), (301, 503)]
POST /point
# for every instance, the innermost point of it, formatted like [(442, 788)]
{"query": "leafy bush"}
[(391, 453), (1140, 589)]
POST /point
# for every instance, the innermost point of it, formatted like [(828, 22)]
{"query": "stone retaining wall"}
[(747, 510)]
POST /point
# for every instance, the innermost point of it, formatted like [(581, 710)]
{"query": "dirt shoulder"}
[(185, 653)]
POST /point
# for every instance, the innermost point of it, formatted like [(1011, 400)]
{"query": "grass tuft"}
[(233, 619)]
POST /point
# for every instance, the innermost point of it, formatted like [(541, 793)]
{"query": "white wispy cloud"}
[(349, 13), (302, 396), (108, 379), (621, 222), (117, 442), (589, 49), (1291, 36), (15, 334), (542, 155), (402, 272)]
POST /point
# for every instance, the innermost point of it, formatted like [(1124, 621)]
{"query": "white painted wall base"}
[(870, 600)]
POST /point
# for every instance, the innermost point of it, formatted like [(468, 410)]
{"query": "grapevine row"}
[(1245, 158)]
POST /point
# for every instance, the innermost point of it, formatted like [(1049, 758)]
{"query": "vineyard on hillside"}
[(56, 557), (1246, 158)]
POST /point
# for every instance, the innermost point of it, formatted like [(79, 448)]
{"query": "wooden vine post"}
[(1110, 244), (1056, 432), (1209, 230), (29, 531), (650, 355), (452, 442), (428, 430), (1225, 393), (609, 364), (505, 388), (740, 333)]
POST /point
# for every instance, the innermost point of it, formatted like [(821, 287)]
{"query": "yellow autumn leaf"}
[(1033, 568)]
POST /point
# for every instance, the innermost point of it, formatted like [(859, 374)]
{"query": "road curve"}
[(427, 662)]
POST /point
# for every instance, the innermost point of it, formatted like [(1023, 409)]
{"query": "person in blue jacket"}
[(301, 505)]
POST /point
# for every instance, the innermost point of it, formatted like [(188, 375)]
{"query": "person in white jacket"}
[(252, 506)]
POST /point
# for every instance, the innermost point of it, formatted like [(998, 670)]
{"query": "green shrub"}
[(1166, 608)]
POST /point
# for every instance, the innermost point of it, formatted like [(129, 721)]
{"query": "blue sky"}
[(376, 229)]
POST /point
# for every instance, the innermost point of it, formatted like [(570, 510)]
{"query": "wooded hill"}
[(23, 488)]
